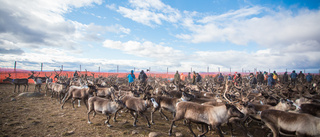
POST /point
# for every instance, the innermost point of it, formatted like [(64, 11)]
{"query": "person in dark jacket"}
[(293, 77), (285, 78), (271, 81), (176, 79), (198, 78), (252, 81), (260, 78), (301, 77), (143, 78), (220, 78), (188, 79), (309, 78)]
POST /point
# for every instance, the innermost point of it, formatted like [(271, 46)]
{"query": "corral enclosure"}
[(17, 74), (43, 116)]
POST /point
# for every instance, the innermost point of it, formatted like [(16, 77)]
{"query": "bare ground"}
[(43, 116)]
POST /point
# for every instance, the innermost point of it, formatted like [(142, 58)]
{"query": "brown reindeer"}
[(104, 106), (138, 106), (59, 90), (80, 93), (298, 124), (18, 82), (106, 92), (204, 114), (165, 103)]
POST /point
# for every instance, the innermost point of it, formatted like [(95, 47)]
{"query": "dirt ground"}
[(43, 116)]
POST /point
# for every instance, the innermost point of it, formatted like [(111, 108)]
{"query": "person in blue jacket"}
[(309, 78), (293, 77), (271, 81), (131, 78), (220, 78)]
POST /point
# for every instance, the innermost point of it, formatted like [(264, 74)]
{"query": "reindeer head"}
[(8, 78), (233, 111)]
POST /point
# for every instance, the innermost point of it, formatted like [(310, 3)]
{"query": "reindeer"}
[(106, 92), (75, 92), (18, 82), (37, 80), (204, 114), (138, 106), (312, 109), (57, 75), (300, 124), (59, 89), (104, 106), (165, 103), (48, 82)]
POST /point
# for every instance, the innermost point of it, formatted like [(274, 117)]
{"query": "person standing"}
[(189, 77), (182, 77), (252, 81), (131, 78), (143, 78), (301, 77), (293, 77), (309, 78), (176, 79), (229, 77), (271, 81), (194, 78), (260, 78), (285, 78), (220, 78), (198, 77)]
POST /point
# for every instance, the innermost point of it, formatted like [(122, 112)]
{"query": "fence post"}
[(41, 66)]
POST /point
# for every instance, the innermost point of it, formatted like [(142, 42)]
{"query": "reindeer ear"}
[(282, 100)]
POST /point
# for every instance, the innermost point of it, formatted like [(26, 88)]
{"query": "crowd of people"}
[(259, 78)]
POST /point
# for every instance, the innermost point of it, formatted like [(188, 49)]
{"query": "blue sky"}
[(178, 34)]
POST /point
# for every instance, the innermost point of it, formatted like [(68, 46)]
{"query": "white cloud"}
[(145, 49), (149, 12), (243, 26)]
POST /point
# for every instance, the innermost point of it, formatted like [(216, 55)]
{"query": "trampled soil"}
[(43, 116)]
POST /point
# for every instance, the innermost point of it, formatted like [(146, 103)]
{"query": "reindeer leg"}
[(15, 86), (146, 119), (85, 102), (79, 103), (58, 99), (160, 110), (134, 117), (107, 121), (219, 130), (89, 111), (64, 101), (274, 129), (115, 115), (73, 100), (206, 125), (154, 109), (189, 126), (173, 121), (230, 127)]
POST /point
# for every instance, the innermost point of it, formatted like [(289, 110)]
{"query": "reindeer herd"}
[(285, 109)]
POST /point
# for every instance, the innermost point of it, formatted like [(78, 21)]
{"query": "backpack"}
[(275, 76)]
